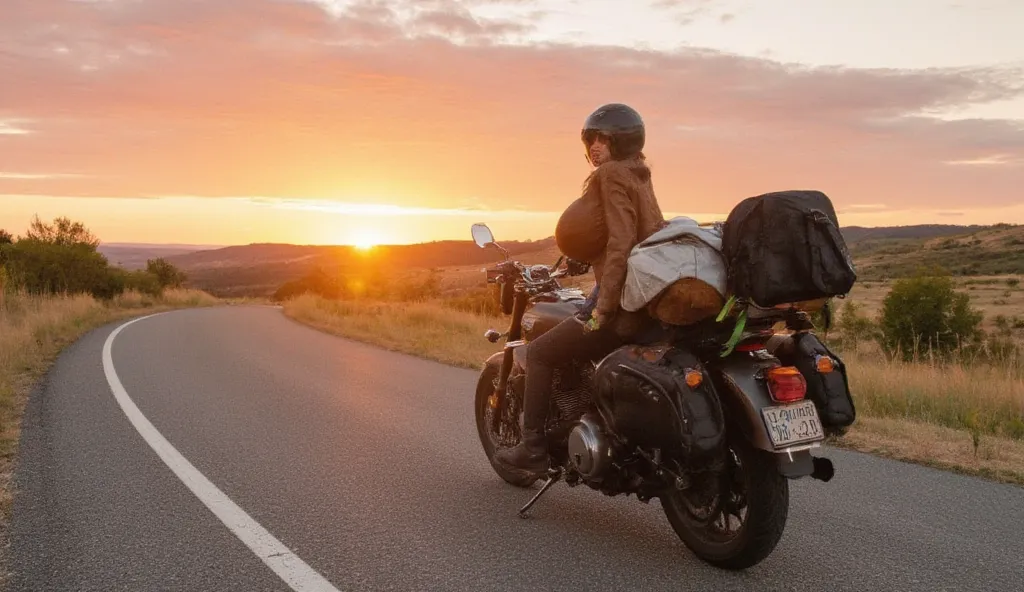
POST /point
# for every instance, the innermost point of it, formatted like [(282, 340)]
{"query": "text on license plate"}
[(793, 424)]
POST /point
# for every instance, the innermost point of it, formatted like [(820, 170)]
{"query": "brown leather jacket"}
[(618, 209)]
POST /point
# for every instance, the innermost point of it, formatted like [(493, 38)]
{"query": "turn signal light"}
[(694, 378), (824, 364), (786, 384)]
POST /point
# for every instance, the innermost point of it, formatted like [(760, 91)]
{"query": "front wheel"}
[(508, 433), (733, 521)]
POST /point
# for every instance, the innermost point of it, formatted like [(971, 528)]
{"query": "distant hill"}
[(135, 255), (884, 252), (260, 269), (859, 234), (992, 250)]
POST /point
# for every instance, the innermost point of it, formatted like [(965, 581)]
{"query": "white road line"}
[(295, 572)]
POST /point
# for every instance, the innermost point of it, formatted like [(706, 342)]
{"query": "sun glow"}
[(365, 240)]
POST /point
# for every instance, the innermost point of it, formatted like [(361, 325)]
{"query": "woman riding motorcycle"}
[(617, 210)]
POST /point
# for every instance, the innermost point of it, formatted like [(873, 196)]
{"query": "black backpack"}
[(785, 247)]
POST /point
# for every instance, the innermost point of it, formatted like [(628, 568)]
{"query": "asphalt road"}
[(366, 466)]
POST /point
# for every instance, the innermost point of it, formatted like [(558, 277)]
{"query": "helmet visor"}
[(589, 135)]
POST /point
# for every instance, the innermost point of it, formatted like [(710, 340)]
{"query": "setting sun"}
[(366, 240)]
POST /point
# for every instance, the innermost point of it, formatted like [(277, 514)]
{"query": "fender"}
[(494, 360), (743, 395)]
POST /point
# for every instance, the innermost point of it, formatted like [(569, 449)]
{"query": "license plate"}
[(793, 424)]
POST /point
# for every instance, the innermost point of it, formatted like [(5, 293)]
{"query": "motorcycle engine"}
[(589, 452)]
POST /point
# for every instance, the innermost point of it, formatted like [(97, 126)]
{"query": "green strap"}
[(727, 308), (741, 323)]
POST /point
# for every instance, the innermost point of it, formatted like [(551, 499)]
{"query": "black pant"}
[(565, 342)]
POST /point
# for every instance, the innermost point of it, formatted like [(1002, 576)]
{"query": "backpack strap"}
[(741, 323)]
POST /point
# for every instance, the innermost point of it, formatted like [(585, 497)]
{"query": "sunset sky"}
[(322, 121)]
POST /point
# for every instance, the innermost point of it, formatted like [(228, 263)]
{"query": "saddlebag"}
[(642, 394), (830, 391), (785, 247)]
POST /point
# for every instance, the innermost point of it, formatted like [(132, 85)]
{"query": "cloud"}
[(987, 161), (686, 12), (13, 127), (390, 210), (38, 176), (427, 105)]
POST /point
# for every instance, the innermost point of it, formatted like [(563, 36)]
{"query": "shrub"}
[(166, 274), (853, 328), (49, 268), (924, 312)]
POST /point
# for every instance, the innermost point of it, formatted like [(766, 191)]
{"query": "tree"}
[(853, 328), (167, 275), (48, 268), (924, 312), (59, 258), (62, 232), (6, 238)]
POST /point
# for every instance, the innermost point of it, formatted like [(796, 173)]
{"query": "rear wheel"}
[(507, 433), (735, 520)]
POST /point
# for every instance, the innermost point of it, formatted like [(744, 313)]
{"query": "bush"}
[(167, 275), (49, 268), (61, 258), (853, 328), (925, 313)]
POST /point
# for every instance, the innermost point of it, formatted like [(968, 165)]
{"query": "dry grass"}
[(993, 295), (922, 413), (999, 459), (33, 330), (422, 329), (979, 398)]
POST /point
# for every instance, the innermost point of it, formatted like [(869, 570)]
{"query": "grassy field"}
[(34, 329), (964, 419), (995, 296)]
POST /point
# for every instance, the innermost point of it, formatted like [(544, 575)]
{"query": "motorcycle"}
[(729, 508)]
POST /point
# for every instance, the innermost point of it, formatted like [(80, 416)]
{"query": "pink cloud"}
[(264, 97)]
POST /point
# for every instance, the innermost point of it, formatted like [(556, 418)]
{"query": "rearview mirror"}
[(482, 235)]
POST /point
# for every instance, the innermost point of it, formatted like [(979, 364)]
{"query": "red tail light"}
[(786, 384)]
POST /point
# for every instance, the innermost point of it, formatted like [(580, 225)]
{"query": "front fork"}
[(515, 330)]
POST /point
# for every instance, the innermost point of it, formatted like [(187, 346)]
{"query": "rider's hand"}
[(597, 319)]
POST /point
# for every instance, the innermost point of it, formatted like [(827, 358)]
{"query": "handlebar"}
[(535, 279)]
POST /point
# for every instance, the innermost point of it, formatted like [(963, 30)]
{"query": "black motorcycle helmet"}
[(621, 124)]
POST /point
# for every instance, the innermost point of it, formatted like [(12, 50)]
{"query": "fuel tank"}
[(545, 315)]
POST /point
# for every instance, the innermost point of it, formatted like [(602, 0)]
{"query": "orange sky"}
[(297, 121)]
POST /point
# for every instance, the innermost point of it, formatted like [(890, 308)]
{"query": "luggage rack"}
[(714, 337)]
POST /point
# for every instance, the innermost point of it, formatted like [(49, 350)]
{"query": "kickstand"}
[(553, 477)]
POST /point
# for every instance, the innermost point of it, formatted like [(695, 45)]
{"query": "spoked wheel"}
[(507, 434), (734, 520)]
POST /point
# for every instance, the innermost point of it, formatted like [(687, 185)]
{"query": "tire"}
[(484, 388), (767, 505)]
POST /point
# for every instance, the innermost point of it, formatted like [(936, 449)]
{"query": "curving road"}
[(343, 467)]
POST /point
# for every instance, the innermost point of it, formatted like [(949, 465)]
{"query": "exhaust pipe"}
[(823, 469)]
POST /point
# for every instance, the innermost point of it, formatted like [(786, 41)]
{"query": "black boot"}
[(527, 459)]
